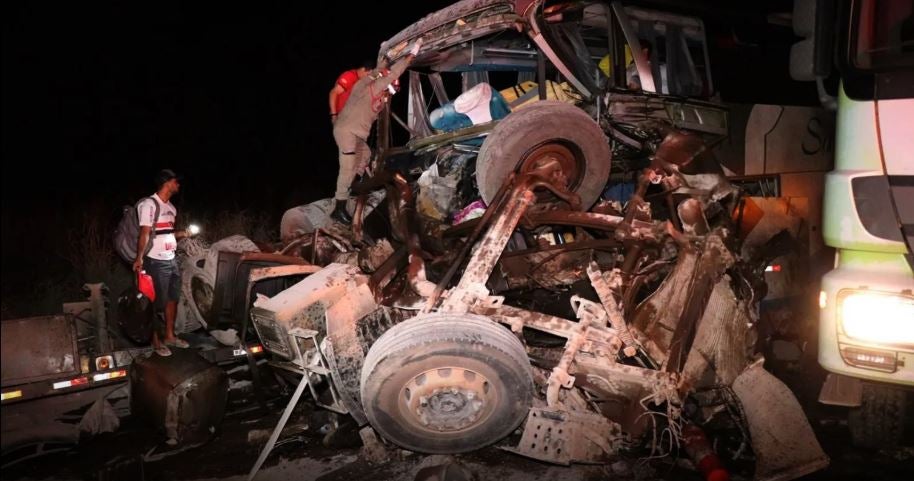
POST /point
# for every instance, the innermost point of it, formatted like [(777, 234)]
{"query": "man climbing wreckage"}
[(553, 325)]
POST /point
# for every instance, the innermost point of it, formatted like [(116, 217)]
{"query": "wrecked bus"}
[(493, 296)]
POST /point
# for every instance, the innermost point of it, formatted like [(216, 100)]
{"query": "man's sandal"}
[(177, 342)]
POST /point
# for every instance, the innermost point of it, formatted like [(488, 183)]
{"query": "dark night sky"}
[(97, 96), (234, 96)]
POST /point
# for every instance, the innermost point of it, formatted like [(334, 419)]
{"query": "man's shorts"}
[(166, 278)]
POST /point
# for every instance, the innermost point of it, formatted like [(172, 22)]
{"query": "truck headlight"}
[(877, 317)]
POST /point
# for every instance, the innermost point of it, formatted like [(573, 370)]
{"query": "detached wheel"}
[(546, 130), (878, 422), (446, 384)]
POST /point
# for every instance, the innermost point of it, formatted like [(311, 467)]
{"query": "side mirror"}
[(803, 60), (803, 53), (811, 58)]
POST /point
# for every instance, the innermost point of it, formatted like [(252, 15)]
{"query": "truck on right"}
[(864, 51)]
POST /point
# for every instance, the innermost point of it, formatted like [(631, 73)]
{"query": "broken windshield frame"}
[(678, 63)]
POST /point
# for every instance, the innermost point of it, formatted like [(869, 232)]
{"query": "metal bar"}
[(279, 427), (631, 37), (386, 271), (405, 208), (486, 216), (559, 217), (604, 292), (518, 318), (510, 51), (271, 257), (560, 377), (487, 252), (400, 121), (438, 88), (256, 380), (546, 49), (595, 244), (575, 218), (326, 373), (99, 315)]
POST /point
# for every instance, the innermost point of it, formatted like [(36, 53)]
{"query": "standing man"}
[(354, 122), (343, 87), (159, 258)]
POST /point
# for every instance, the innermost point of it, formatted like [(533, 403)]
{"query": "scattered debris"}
[(259, 436), (100, 418), (228, 337), (373, 450)]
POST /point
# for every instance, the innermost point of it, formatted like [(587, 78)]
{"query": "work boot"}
[(340, 214)]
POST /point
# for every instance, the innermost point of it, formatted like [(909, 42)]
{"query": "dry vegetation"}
[(83, 252)]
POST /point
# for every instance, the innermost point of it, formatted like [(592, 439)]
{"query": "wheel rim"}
[(568, 157), (448, 399)]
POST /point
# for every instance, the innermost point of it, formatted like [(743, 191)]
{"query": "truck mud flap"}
[(784, 443)]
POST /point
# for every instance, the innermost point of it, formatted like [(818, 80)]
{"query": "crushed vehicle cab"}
[(491, 298)]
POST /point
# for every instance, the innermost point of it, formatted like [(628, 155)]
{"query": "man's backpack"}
[(128, 230)]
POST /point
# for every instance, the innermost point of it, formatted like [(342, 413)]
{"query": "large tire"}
[(879, 421), (445, 384), (534, 131)]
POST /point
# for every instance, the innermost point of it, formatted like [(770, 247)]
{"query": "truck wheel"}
[(546, 129), (879, 421), (444, 384)]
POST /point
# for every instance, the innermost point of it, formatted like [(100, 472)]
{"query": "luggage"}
[(476, 106), (135, 315)]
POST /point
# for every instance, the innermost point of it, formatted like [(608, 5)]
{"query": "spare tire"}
[(547, 128)]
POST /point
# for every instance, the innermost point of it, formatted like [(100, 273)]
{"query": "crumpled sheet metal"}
[(783, 441), (298, 305), (301, 306), (723, 342), (344, 349), (565, 437)]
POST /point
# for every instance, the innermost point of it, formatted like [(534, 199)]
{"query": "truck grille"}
[(273, 336)]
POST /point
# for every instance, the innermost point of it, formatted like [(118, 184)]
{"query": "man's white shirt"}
[(164, 243)]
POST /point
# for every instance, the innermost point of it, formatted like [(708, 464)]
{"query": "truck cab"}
[(866, 328)]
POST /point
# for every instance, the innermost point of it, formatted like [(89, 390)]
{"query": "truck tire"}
[(880, 419), (445, 384), (547, 128)]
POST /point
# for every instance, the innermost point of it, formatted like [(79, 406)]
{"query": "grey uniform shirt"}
[(363, 105)]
